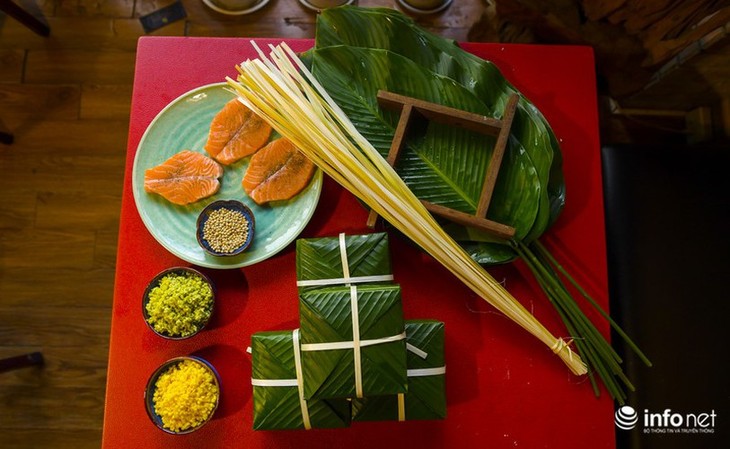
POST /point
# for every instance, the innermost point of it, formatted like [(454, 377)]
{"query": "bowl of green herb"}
[(178, 303), (225, 228)]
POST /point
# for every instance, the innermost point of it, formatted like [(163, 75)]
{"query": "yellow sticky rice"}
[(185, 395), (179, 304)]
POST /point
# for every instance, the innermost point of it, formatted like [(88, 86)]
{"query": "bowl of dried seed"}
[(178, 303), (182, 394), (225, 228)]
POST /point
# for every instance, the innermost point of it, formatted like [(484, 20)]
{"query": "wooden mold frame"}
[(414, 111)]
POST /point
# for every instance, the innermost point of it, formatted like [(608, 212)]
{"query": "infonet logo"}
[(626, 418)]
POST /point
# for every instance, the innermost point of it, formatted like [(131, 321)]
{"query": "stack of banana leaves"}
[(360, 51)]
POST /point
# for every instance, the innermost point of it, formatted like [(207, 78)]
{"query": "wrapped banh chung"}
[(278, 397), (353, 259), (426, 397)]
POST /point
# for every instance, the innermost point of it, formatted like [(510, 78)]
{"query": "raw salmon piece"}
[(277, 172), (235, 133), (184, 178)]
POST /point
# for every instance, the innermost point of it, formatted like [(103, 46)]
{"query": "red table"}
[(505, 389)]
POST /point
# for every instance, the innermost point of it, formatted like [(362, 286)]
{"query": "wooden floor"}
[(66, 99)]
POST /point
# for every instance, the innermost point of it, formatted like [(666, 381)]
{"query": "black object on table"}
[(668, 241), (6, 138), (163, 16), (21, 361)]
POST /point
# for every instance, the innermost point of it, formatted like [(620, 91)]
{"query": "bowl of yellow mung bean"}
[(178, 303), (225, 228), (182, 394)]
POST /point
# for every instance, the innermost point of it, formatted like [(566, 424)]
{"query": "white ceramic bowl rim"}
[(313, 7), (218, 8), (414, 9)]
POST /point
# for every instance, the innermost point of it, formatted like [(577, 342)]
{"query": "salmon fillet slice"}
[(236, 132), (184, 178), (277, 172)]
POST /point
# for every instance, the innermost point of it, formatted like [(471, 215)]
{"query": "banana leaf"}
[(326, 317), (278, 407), (391, 30), (426, 397), (320, 259), (445, 165)]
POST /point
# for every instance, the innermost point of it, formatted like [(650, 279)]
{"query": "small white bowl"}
[(424, 6), (235, 7), (319, 5)]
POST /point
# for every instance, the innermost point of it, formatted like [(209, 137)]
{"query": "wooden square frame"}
[(414, 111)]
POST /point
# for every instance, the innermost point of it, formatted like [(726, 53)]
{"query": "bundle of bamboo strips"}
[(285, 94)]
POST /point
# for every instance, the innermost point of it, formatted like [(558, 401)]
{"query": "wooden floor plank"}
[(23, 103), (14, 34), (46, 407), (144, 7), (44, 9), (104, 101), (17, 208), (79, 66), (98, 33), (69, 177), (47, 250), (94, 8), (74, 289), (105, 247), (278, 19), (129, 30), (80, 210), (50, 326), (71, 138), (55, 438), (68, 174), (63, 366), (264, 29), (11, 64), (88, 155)]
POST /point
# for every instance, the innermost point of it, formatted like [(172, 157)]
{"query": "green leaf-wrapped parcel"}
[(320, 258), (426, 397), (326, 317), (279, 407)]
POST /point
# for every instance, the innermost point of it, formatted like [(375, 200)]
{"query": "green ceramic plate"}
[(184, 124)]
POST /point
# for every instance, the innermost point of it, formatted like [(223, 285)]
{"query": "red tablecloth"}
[(505, 389)]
